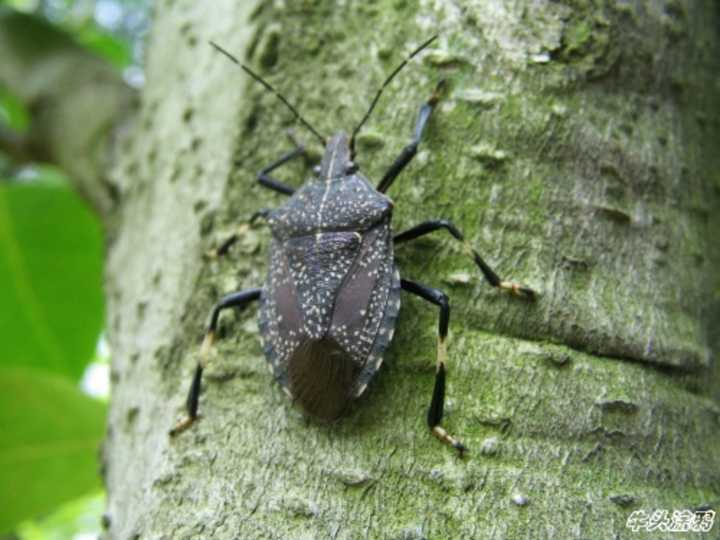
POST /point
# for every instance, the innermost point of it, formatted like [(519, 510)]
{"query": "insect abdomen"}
[(321, 375)]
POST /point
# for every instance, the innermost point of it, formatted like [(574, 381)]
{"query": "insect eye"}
[(351, 167)]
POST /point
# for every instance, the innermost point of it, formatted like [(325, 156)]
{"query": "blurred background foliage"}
[(53, 362)]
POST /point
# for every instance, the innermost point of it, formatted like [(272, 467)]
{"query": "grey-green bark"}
[(577, 150)]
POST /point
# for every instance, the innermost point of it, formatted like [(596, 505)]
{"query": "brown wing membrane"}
[(321, 374)]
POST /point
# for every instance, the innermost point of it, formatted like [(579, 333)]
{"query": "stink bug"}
[(332, 295)]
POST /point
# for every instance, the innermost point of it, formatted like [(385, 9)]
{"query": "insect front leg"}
[(435, 411), (237, 299), (411, 149), (433, 225), (264, 178)]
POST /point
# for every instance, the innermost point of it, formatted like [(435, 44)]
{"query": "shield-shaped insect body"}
[(328, 307), (332, 294)]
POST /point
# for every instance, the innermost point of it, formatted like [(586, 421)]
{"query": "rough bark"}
[(576, 148)]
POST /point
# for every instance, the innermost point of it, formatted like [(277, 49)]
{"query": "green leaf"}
[(105, 45), (51, 434), (13, 112), (78, 518), (50, 279)]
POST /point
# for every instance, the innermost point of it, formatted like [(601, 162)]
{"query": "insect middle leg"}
[(435, 411), (237, 299), (433, 225), (226, 244), (411, 149)]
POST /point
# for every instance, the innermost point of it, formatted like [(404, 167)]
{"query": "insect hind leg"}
[(237, 299), (437, 403)]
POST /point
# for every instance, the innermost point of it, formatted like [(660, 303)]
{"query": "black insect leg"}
[(490, 275), (237, 299), (269, 182), (226, 244), (411, 149), (435, 411)]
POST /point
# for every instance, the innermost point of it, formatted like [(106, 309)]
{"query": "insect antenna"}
[(267, 86), (380, 91)]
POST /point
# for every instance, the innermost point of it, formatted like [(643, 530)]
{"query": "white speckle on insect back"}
[(331, 275)]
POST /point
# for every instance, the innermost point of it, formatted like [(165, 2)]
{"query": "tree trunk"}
[(576, 148)]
